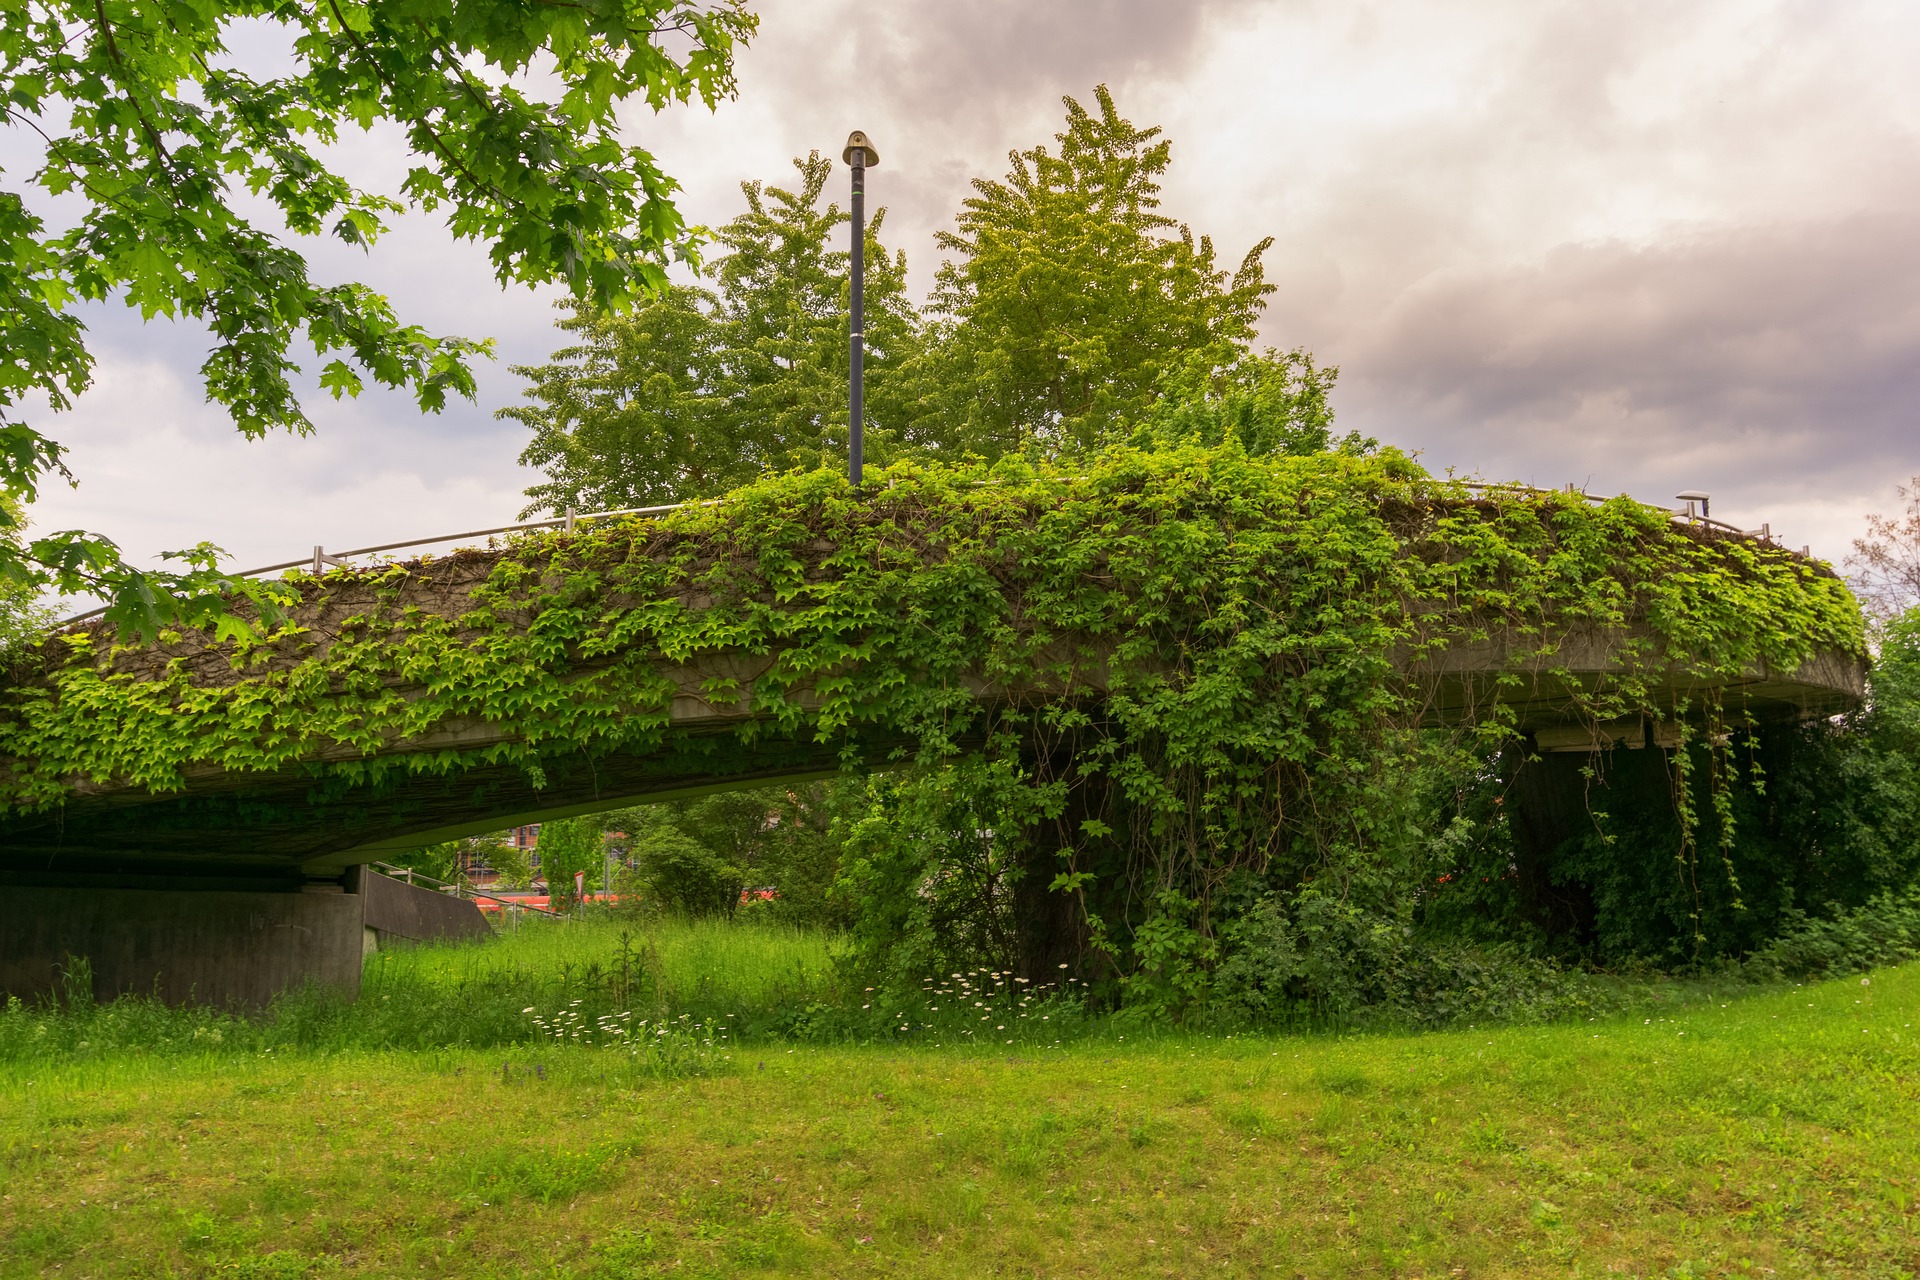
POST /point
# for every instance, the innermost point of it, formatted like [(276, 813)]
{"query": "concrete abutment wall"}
[(222, 948)]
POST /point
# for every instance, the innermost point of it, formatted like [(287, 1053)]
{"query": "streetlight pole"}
[(859, 154)]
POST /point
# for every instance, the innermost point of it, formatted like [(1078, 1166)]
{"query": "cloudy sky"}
[(1640, 246)]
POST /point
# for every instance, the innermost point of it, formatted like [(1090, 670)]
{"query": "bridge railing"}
[(321, 558), (1682, 515), (510, 908)]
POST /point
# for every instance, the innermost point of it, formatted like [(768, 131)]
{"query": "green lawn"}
[(1775, 1135)]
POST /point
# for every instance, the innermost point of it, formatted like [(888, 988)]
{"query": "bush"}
[(1886, 930), (680, 873), (1331, 961)]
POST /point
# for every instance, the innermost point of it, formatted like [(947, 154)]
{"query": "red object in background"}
[(492, 907), (580, 884)]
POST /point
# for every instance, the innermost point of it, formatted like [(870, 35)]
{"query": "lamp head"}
[(857, 142), (1695, 498)]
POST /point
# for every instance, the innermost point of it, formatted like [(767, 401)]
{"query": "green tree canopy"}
[(23, 619), (696, 856), (701, 389), (1071, 314), (155, 123), (1070, 304), (567, 846)]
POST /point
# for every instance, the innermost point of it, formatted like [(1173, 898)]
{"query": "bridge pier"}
[(1553, 806), (226, 948)]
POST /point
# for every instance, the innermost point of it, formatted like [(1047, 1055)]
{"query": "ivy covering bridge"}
[(1183, 665)]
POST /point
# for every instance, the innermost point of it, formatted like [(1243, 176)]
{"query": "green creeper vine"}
[(1197, 665)]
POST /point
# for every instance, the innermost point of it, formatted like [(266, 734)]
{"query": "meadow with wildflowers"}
[(647, 1120)]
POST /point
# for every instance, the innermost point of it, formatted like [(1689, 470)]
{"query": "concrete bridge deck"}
[(308, 820), (249, 829), (305, 824)]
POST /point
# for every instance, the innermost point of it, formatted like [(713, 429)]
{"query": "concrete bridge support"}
[(227, 948), (1564, 795)]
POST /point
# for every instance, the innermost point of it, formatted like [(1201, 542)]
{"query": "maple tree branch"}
[(127, 82)]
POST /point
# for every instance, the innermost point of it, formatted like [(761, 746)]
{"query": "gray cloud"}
[(945, 90), (1802, 336), (968, 70), (1641, 245)]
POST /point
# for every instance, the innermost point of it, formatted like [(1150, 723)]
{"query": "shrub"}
[(1883, 931), (681, 873), (1324, 960)]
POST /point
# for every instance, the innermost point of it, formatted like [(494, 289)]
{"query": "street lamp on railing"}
[(859, 154)]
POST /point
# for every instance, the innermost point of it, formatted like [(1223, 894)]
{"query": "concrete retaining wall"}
[(396, 909), (216, 948)]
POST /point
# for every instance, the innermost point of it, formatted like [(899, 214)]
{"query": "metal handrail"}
[(409, 873), (1764, 532), (321, 557)]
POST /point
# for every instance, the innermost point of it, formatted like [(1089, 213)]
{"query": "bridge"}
[(421, 700)]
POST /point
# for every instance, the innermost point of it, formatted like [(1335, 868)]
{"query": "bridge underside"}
[(283, 830)]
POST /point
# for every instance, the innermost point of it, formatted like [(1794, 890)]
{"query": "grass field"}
[(1773, 1135)]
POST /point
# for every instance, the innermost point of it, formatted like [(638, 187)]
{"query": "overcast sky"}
[(1644, 247)]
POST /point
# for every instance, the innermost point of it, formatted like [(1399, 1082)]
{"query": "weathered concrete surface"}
[(395, 909), (215, 948), (1462, 684)]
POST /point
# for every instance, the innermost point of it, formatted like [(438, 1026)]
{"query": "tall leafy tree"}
[(155, 122), (23, 619), (631, 413), (696, 856), (1273, 402), (568, 846), (1069, 304), (786, 288), (705, 388)]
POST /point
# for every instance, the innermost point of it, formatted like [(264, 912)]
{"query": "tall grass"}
[(751, 977), (737, 981), (698, 966)]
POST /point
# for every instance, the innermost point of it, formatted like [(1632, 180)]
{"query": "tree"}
[(449, 859), (703, 389), (785, 296), (23, 619), (153, 125), (695, 856), (1073, 314), (629, 415), (682, 873), (1070, 304), (1888, 558), (1275, 403), (566, 847), (513, 864)]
